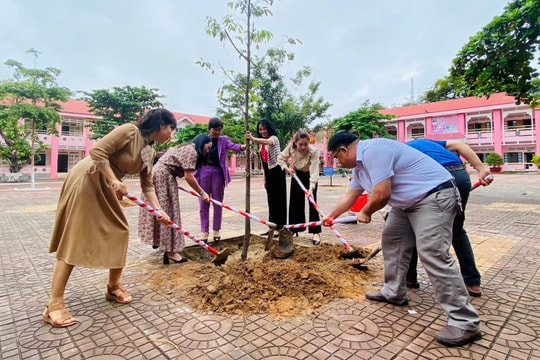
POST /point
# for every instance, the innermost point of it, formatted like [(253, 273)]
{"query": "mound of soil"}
[(298, 285)]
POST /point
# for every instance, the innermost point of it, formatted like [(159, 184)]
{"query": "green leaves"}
[(367, 120), (119, 105), (499, 57), (31, 95)]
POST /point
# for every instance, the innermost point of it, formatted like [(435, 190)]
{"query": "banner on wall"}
[(445, 125)]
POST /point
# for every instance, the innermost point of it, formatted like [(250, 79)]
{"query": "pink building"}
[(489, 125), (72, 143)]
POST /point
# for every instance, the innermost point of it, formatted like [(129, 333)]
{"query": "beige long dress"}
[(91, 229)]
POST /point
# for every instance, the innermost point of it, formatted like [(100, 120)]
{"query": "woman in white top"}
[(274, 176), (305, 164)]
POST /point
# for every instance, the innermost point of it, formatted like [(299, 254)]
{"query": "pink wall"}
[(497, 131), (428, 126), (536, 127)]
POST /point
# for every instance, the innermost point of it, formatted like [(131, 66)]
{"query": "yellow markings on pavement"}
[(514, 207), (34, 209), (490, 249)]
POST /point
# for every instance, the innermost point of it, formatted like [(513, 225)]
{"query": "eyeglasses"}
[(335, 154)]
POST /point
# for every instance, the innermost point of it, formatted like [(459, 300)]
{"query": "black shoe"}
[(155, 246), (474, 290), (413, 285), (166, 259), (454, 336), (377, 296), (217, 238)]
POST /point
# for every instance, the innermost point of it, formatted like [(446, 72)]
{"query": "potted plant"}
[(536, 161), (495, 161)]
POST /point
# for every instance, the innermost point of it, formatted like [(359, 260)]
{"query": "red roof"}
[(450, 105), (75, 106), (198, 119)]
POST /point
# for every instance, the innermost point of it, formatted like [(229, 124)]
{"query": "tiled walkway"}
[(502, 220)]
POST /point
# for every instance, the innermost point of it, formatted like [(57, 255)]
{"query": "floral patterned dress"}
[(169, 167)]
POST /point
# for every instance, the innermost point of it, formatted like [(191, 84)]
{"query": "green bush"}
[(494, 159), (536, 160)]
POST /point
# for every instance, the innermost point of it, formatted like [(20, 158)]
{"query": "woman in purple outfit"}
[(214, 176)]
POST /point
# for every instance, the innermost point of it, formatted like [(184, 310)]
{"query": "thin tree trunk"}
[(247, 231)]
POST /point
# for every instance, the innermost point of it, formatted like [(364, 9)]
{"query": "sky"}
[(382, 51)]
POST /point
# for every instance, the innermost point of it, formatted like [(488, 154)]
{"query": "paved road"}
[(502, 220)]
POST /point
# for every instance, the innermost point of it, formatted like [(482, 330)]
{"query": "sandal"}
[(316, 239), (118, 294), (58, 316)]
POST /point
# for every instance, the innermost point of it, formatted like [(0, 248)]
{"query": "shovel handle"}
[(346, 219), (312, 201), (478, 183), (170, 223), (243, 213)]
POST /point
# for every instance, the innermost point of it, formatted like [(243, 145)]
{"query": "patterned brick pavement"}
[(502, 220)]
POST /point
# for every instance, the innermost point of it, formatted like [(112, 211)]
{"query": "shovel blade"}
[(269, 239), (362, 263), (221, 258), (285, 243)]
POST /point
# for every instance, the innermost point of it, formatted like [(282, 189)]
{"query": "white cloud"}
[(358, 50)]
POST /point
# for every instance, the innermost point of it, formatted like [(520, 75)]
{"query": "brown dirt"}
[(311, 277)]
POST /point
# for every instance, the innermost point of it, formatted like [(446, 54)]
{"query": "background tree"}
[(289, 107), (498, 58), (187, 133), (367, 120), (31, 95), (242, 36), (444, 89), (289, 104), (118, 106)]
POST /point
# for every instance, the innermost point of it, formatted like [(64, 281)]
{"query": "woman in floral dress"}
[(177, 162)]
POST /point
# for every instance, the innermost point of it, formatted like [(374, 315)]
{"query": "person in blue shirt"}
[(424, 201), (446, 154)]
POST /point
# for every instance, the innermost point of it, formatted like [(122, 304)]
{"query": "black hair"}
[(152, 120), (199, 141), (215, 123), (269, 128), (341, 138)]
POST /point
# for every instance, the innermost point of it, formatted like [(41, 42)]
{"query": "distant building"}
[(73, 143), (487, 125)]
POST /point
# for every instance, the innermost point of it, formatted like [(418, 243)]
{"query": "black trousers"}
[(297, 204), (276, 194)]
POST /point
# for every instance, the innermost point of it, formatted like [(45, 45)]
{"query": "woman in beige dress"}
[(91, 229)]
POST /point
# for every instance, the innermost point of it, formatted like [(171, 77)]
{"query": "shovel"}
[(240, 212), (285, 244), (478, 183), (345, 219), (361, 264), (271, 225), (219, 259), (312, 201)]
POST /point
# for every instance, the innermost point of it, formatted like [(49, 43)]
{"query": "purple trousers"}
[(212, 181)]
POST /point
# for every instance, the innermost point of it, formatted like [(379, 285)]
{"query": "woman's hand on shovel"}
[(163, 219), (205, 196), (119, 188)]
